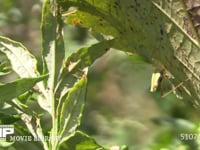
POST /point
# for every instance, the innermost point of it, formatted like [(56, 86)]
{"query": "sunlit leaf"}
[(53, 51), (22, 61), (71, 110)]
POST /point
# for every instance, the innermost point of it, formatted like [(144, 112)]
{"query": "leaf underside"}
[(158, 30)]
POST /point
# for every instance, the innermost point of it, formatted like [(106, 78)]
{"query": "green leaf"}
[(8, 119), (4, 69), (53, 51), (79, 60), (18, 87), (5, 144), (71, 110), (98, 20), (81, 141), (22, 61), (85, 56), (157, 30)]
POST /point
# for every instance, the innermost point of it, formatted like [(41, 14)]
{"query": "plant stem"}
[(54, 133)]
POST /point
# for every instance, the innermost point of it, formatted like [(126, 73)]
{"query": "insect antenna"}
[(174, 88)]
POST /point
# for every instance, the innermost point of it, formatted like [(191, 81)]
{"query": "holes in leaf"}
[(136, 10), (106, 49), (116, 3), (161, 32), (100, 19), (77, 22), (137, 4), (121, 32), (101, 24), (131, 28), (166, 58), (132, 6)]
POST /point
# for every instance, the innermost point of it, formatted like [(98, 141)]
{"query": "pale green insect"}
[(155, 81), (159, 75), (161, 78)]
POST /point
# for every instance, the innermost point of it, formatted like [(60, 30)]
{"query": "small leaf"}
[(79, 60), (81, 141), (5, 144), (18, 87), (25, 97), (155, 81), (4, 69), (87, 55), (22, 62), (71, 110)]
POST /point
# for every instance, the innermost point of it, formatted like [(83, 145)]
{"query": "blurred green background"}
[(120, 110)]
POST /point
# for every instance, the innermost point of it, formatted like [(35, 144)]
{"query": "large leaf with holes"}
[(158, 30)]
